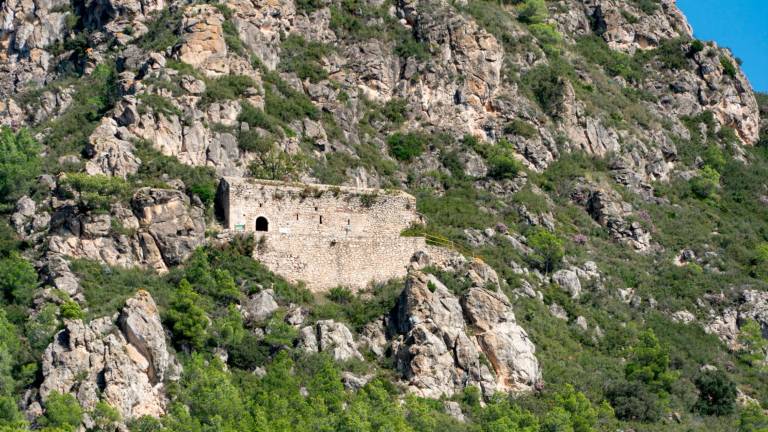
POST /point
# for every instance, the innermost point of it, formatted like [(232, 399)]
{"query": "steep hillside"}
[(597, 174)]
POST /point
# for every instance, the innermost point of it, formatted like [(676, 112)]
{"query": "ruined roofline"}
[(323, 187)]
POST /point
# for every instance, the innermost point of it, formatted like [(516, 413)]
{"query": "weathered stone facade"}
[(323, 235)]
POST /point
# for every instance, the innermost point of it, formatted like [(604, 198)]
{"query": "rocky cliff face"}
[(486, 109)]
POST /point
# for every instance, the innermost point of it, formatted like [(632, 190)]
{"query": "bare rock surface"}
[(439, 351), (122, 360)]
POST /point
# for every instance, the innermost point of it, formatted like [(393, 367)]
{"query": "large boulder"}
[(122, 360), (330, 337), (260, 306)]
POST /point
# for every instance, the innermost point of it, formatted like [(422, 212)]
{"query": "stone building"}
[(323, 235)]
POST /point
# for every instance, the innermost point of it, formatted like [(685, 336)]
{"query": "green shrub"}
[(503, 166), (162, 30), (520, 128), (61, 411), (533, 12), (308, 6), (97, 191), (253, 141), (406, 46), (19, 163), (232, 38), (752, 346), (697, 46), (595, 50), (105, 417), (340, 295), (188, 321), (633, 401), (546, 84), (706, 184), (547, 35), (255, 117), (717, 393), (647, 6), (283, 102), (304, 58), (406, 146), (394, 110), (70, 309), (671, 54), (649, 364), (752, 418), (278, 165), (548, 250), (354, 19), (227, 87), (728, 67)]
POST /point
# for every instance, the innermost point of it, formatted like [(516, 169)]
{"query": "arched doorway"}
[(262, 224)]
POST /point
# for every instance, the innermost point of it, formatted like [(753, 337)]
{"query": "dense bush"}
[(285, 103), (548, 250), (520, 128), (162, 30), (717, 393), (406, 146), (254, 141), (595, 50), (18, 280), (278, 165), (633, 401), (227, 87), (304, 58), (19, 163), (545, 84), (61, 410), (96, 192), (187, 320), (533, 12)]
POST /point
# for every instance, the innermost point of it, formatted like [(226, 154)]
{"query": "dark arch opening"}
[(262, 224)]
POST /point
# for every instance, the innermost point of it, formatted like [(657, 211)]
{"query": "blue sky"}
[(741, 25)]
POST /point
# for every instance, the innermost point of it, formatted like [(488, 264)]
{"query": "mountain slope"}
[(606, 168)]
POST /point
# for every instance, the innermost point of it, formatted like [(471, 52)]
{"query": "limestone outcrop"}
[(607, 208), (160, 229), (123, 360), (439, 351), (331, 337)]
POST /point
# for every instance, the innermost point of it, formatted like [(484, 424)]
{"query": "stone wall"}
[(323, 235), (323, 263), (316, 210)]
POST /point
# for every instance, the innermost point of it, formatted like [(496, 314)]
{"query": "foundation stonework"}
[(324, 236)]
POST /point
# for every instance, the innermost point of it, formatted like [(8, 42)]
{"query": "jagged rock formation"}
[(159, 230), (122, 360), (607, 208), (750, 305), (443, 343), (330, 337)]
